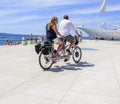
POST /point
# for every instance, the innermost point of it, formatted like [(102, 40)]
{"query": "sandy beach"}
[(94, 80)]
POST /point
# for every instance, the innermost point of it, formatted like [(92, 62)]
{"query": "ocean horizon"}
[(17, 37), (13, 37)]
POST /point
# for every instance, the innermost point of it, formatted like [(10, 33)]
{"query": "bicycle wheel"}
[(45, 60), (77, 54)]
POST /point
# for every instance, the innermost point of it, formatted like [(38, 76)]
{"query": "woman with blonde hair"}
[(52, 34)]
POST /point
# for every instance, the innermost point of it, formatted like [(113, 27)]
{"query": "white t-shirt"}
[(65, 26)]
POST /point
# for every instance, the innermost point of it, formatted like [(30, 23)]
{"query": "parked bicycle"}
[(47, 55)]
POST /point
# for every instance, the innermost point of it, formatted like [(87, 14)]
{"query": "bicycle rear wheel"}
[(77, 54), (45, 60)]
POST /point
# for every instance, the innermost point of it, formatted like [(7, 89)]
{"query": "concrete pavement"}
[(95, 80)]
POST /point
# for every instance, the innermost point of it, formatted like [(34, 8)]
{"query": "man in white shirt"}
[(65, 27)]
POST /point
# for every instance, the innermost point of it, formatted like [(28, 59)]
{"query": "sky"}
[(31, 16)]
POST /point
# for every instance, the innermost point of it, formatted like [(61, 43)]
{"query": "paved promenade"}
[(95, 80)]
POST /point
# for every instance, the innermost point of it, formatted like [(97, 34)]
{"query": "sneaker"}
[(67, 50)]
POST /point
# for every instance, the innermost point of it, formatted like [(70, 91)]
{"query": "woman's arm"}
[(56, 30)]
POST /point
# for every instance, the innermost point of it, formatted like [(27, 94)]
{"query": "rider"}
[(64, 28), (52, 32)]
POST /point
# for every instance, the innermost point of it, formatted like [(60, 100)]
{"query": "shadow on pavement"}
[(69, 66), (89, 49)]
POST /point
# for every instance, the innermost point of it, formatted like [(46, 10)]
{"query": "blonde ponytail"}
[(51, 23)]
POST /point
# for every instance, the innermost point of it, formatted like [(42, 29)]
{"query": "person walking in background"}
[(52, 33), (64, 28), (38, 39), (31, 37), (33, 41), (23, 42), (42, 41), (80, 36), (96, 37), (7, 42), (29, 42)]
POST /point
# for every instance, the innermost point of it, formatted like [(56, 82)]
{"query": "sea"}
[(13, 38), (17, 38)]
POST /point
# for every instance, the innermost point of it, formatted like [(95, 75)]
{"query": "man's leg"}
[(70, 39), (71, 44)]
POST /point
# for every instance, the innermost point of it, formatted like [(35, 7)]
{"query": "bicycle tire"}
[(42, 57), (77, 54)]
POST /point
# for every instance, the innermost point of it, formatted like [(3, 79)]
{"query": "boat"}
[(103, 32)]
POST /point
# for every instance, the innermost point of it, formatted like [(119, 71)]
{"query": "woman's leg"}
[(60, 45)]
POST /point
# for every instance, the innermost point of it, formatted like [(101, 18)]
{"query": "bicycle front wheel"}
[(45, 60), (77, 54)]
